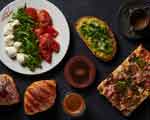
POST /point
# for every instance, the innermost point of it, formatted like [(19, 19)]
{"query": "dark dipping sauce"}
[(80, 72)]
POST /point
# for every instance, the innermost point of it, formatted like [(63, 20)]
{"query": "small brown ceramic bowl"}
[(80, 72)]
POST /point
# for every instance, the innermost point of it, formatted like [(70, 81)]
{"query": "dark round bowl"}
[(139, 19), (91, 72), (124, 15)]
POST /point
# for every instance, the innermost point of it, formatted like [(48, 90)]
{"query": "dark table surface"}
[(98, 108)]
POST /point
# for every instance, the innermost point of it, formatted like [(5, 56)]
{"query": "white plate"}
[(60, 23)]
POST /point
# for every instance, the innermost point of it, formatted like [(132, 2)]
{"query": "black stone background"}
[(98, 108)]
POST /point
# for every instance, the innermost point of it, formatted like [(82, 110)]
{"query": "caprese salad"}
[(30, 37)]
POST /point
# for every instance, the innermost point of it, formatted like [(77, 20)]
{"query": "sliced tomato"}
[(47, 46), (42, 30), (46, 55), (38, 31), (31, 12), (44, 18), (45, 38), (55, 46), (49, 29), (43, 41)]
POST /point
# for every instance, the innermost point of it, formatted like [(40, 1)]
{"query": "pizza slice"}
[(8, 91), (128, 85)]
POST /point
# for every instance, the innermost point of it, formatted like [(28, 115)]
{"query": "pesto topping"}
[(98, 36)]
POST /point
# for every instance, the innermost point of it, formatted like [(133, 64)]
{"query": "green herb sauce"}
[(98, 35)]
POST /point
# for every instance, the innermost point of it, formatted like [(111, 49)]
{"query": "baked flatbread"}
[(128, 85)]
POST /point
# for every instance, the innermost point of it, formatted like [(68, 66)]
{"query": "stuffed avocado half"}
[(98, 37)]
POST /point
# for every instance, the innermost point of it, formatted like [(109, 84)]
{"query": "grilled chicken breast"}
[(39, 96), (8, 92)]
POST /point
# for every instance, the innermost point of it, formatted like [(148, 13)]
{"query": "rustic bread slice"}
[(8, 91), (99, 54), (39, 96)]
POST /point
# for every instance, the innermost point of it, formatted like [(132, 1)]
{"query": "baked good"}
[(8, 91), (128, 85), (39, 96), (98, 37)]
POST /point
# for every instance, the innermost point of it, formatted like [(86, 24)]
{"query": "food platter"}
[(87, 84), (62, 28)]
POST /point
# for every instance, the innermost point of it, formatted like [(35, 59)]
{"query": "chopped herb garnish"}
[(98, 35), (139, 61), (122, 85)]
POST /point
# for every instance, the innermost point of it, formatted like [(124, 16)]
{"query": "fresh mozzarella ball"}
[(11, 51), (9, 40), (8, 29), (15, 23), (17, 45), (9, 43), (9, 37), (21, 58)]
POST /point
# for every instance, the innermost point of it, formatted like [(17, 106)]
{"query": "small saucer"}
[(124, 21)]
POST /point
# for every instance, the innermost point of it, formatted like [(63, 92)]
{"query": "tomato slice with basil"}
[(31, 12)]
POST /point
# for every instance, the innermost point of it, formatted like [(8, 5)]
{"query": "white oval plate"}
[(60, 23)]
